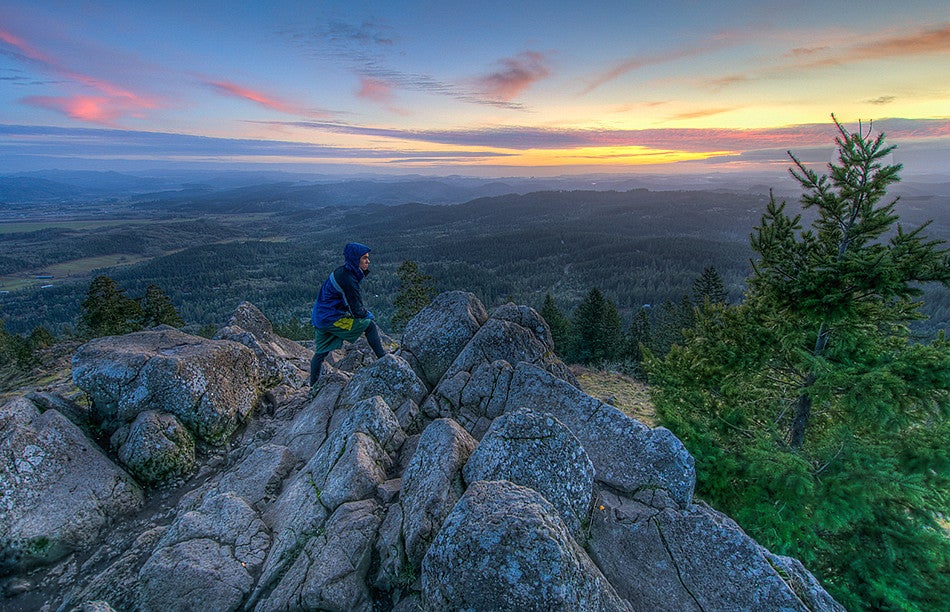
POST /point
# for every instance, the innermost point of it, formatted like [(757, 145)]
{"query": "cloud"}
[(92, 143), (365, 50), (641, 61), (695, 140), (94, 109), (516, 74), (265, 100), (703, 113), (375, 90), (923, 41), (882, 100), (108, 103)]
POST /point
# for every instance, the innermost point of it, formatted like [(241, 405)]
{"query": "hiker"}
[(338, 313)]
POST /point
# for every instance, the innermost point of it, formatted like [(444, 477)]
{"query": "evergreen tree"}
[(295, 329), (108, 311), (559, 324), (640, 335), (816, 421), (415, 292), (157, 309), (709, 286), (597, 330)]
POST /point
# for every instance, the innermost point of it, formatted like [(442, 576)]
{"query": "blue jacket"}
[(340, 294)]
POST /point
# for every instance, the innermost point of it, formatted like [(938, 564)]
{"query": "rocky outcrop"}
[(465, 471), (210, 386), (58, 490), (434, 338), (279, 360), (505, 547)]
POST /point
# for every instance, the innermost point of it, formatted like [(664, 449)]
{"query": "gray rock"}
[(390, 378), (474, 389), (96, 606), (58, 491), (433, 484), (434, 337), (349, 466), (331, 573), (626, 454), (661, 557), (211, 386), (158, 448), (260, 476), (206, 559), (280, 360), (392, 572), (537, 451), (311, 425), (504, 547)]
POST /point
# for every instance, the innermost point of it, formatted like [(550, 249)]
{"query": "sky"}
[(488, 88)]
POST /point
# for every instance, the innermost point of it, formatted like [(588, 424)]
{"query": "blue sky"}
[(489, 88)]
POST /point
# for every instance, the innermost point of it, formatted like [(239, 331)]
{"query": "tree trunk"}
[(802, 415)]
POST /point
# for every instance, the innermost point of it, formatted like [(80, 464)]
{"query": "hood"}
[(351, 256)]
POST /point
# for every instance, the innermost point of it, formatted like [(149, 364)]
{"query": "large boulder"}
[(156, 448), (626, 454), (58, 491), (504, 547), (349, 466), (211, 386), (662, 557), (474, 388), (435, 336), (432, 484), (536, 450), (207, 559), (331, 572), (281, 360), (389, 377)]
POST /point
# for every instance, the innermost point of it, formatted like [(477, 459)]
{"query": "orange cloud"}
[(516, 75), (920, 42), (257, 97), (932, 40)]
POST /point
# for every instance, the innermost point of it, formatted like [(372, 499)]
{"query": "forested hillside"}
[(639, 247)]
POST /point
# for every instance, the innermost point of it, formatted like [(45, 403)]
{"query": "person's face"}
[(364, 262)]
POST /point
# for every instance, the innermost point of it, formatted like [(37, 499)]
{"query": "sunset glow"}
[(395, 87)]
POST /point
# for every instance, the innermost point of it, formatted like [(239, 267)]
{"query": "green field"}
[(67, 270), (17, 227)]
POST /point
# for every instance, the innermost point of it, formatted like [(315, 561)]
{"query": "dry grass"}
[(629, 395)]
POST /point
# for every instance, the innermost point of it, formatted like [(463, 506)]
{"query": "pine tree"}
[(157, 309), (815, 419), (597, 330), (640, 335), (108, 311), (415, 292), (559, 324), (709, 286)]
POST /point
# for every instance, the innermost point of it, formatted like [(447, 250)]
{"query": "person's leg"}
[(372, 336), (315, 364)]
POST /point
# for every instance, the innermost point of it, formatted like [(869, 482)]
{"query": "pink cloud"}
[(84, 108), (108, 103), (516, 75), (24, 48), (375, 90), (267, 101)]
